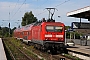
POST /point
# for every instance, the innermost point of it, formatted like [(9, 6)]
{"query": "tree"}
[(28, 18), (4, 31), (67, 27)]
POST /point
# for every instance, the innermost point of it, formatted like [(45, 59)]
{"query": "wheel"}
[(29, 43)]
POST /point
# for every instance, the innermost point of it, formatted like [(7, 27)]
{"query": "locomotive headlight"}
[(48, 35), (60, 36)]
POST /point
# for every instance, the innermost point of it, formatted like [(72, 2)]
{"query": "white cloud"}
[(16, 11), (13, 8), (38, 10)]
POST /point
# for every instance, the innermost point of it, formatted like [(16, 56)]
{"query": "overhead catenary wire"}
[(55, 6), (42, 3), (19, 8), (15, 6), (62, 3)]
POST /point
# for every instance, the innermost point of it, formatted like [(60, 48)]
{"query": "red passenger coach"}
[(18, 33), (14, 33), (27, 33)]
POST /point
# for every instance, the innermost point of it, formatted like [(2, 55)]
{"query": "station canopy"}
[(80, 13), (81, 27)]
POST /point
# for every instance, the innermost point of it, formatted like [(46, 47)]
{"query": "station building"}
[(81, 27)]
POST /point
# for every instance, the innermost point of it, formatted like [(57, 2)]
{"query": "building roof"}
[(80, 13)]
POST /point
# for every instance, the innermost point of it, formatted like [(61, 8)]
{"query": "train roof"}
[(46, 21), (53, 23), (18, 29), (80, 13), (27, 27)]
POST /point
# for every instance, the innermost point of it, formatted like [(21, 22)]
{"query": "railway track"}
[(25, 52), (16, 53), (46, 56), (60, 57)]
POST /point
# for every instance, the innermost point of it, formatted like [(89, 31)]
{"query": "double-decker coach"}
[(18, 33), (27, 33)]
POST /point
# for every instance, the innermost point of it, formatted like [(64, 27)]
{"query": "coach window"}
[(22, 33), (28, 33)]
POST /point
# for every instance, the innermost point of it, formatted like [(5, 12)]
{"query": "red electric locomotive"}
[(49, 36)]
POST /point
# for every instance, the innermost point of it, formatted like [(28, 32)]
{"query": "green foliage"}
[(77, 35), (28, 18), (68, 35), (6, 35), (67, 27), (4, 31), (0, 27)]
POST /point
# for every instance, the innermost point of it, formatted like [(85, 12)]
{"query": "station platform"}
[(82, 52), (2, 52), (79, 48)]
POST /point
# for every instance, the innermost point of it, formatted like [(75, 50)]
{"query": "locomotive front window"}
[(54, 28), (50, 28), (58, 28)]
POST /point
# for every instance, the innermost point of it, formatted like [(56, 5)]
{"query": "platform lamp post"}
[(9, 29), (9, 22)]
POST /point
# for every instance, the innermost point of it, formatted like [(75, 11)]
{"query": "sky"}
[(13, 10)]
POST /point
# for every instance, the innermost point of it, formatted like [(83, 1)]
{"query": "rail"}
[(21, 54)]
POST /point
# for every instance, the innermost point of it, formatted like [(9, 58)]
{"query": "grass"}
[(27, 49)]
